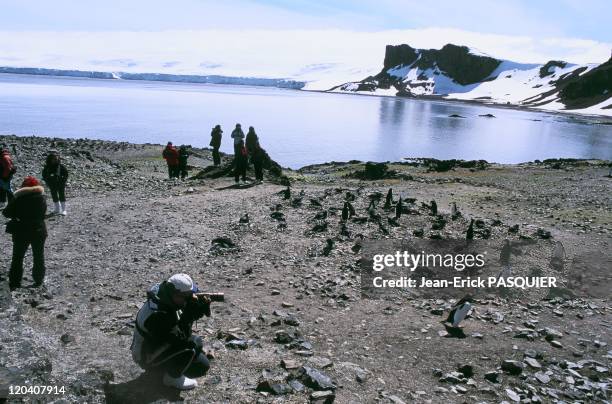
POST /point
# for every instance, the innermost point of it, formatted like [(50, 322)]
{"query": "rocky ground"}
[(294, 327)]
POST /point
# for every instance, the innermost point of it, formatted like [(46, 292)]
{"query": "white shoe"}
[(181, 383), (58, 208), (2, 205), (63, 209)]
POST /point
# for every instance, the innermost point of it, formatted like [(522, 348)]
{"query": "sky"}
[(285, 37), (578, 19)]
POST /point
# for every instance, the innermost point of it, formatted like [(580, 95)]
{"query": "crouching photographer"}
[(162, 337)]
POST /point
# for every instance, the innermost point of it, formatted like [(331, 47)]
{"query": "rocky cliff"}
[(459, 72)]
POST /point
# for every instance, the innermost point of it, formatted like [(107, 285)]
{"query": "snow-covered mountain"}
[(462, 73), (320, 60)]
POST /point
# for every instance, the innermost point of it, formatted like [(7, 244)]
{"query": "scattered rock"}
[(283, 337), (375, 171), (325, 397), (453, 377), (237, 344), (556, 344), (315, 379), (533, 363), (513, 367), (291, 320), (542, 377), (361, 375), (513, 395), (493, 376), (224, 242), (277, 389), (67, 338), (289, 364), (466, 370), (297, 386)]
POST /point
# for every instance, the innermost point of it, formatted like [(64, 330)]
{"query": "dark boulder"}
[(316, 379)]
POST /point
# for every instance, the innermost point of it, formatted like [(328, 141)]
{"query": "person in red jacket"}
[(7, 169), (171, 156)]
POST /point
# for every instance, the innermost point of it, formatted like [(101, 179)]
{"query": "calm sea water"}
[(297, 128)]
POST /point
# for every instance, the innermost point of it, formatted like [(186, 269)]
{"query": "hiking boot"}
[(63, 211), (181, 382), (58, 208)]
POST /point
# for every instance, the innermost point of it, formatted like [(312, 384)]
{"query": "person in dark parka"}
[(241, 162), (163, 338), (183, 155), (55, 175), (215, 143), (251, 140), (238, 136), (258, 156), (27, 226)]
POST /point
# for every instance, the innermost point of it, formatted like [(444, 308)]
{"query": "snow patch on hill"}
[(521, 84)]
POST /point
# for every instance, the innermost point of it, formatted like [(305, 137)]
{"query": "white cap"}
[(183, 283)]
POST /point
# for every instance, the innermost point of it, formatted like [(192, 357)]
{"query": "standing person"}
[(240, 162), (7, 170), (238, 136), (183, 155), (251, 140), (55, 175), (258, 156), (170, 154), (163, 338), (27, 226), (215, 143)]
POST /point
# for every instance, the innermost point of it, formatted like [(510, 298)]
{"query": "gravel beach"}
[(294, 327)]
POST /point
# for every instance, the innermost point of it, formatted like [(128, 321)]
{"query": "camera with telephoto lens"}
[(214, 297)]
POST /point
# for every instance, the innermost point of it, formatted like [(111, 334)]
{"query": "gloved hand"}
[(196, 308), (203, 306)]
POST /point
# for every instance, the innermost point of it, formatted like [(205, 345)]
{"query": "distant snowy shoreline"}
[(263, 82), (175, 78)]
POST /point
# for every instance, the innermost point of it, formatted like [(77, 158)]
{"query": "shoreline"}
[(440, 98), (435, 98), (333, 163)]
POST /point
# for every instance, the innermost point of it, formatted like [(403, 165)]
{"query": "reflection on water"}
[(297, 128)]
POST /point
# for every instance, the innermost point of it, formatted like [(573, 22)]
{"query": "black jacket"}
[(258, 155), (169, 324), (215, 138), (183, 156), (251, 141), (28, 209), (55, 176)]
